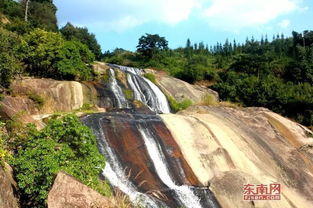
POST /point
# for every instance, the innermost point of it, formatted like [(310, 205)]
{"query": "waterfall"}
[(144, 90), (113, 170), (121, 132), (117, 91), (185, 195)]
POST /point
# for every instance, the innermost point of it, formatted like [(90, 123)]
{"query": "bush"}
[(4, 154), (48, 55), (64, 144), (178, 106), (37, 99), (10, 56)]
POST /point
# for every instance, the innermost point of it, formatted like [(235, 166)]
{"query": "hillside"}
[(213, 146)]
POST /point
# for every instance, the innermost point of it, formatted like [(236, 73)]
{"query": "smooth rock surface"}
[(7, 197), (228, 148), (67, 192), (181, 90)]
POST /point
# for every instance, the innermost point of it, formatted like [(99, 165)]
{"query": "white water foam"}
[(184, 193)]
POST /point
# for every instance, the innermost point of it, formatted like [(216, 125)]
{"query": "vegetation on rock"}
[(64, 144), (178, 106)]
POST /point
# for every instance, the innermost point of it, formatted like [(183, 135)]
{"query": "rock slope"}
[(228, 148)]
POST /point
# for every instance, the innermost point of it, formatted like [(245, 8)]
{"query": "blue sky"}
[(120, 23)]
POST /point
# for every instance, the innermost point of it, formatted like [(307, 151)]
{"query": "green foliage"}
[(48, 55), (150, 77), (71, 32), (4, 154), (42, 50), (64, 144), (178, 106), (10, 56), (149, 45), (42, 14), (37, 99), (72, 60), (11, 8), (129, 94)]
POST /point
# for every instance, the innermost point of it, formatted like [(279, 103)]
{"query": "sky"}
[(120, 23)]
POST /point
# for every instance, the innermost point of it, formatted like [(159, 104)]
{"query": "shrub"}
[(178, 106), (4, 154), (37, 99), (64, 144)]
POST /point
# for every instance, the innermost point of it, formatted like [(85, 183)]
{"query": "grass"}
[(150, 77), (210, 100), (230, 104), (178, 106)]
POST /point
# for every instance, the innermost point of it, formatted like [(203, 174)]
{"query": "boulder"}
[(181, 90), (7, 187), (67, 192)]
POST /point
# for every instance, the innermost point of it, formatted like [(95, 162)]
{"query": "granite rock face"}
[(67, 192), (228, 148), (181, 90), (7, 186)]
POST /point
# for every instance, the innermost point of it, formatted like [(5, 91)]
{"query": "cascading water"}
[(113, 170), (144, 90), (185, 195), (118, 93)]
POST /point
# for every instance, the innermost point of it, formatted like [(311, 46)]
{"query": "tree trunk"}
[(26, 10)]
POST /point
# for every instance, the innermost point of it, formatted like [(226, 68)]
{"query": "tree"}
[(72, 59), (26, 10), (70, 32), (10, 56), (11, 8), (149, 45), (49, 55), (40, 13)]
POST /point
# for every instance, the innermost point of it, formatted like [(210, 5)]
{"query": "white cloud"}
[(120, 15), (284, 24), (124, 14), (237, 14)]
